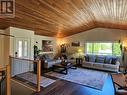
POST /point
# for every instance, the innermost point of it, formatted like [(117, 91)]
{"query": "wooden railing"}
[(7, 70), (38, 62)]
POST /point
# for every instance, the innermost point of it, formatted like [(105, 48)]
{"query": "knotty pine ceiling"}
[(61, 18)]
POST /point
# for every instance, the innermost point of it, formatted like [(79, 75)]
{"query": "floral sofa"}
[(108, 63)]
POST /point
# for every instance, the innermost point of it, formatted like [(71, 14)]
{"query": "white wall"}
[(38, 38), (97, 34), (21, 33), (21, 66)]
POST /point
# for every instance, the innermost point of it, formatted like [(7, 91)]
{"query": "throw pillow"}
[(100, 59), (92, 58), (86, 58), (108, 60), (114, 60)]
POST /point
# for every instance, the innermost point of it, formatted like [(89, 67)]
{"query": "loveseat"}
[(108, 63), (48, 60)]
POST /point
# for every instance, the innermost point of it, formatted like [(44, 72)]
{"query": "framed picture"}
[(75, 44), (47, 45)]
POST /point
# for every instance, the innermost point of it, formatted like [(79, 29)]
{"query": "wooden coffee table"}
[(63, 69)]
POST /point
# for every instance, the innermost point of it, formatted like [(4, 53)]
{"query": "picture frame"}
[(47, 46), (75, 44)]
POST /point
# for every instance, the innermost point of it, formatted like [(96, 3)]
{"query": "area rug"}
[(31, 77), (90, 78)]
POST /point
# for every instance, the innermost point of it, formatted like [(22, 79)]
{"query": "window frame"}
[(24, 54), (92, 53)]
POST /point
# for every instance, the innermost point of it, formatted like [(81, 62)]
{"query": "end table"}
[(124, 68), (79, 61)]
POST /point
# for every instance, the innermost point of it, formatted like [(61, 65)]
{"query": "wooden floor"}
[(18, 89), (62, 87)]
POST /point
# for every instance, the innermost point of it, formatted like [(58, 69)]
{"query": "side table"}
[(79, 61), (123, 68)]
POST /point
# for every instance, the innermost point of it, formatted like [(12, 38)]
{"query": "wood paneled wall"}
[(66, 17)]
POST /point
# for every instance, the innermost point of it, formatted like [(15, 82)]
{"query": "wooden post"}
[(8, 78), (38, 75)]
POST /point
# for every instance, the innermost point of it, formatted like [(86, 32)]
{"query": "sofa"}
[(48, 60), (107, 63)]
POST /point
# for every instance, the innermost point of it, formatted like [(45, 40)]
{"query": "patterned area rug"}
[(90, 78), (31, 77)]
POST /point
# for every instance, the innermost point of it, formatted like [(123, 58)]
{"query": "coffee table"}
[(63, 69)]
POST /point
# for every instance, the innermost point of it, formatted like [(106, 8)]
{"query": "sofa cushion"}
[(88, 63), (98, 65), (92, 58), (100, 59), (58, 61), (108, 60), (49, 64), (49, 56), (51, 61), (110, 66)]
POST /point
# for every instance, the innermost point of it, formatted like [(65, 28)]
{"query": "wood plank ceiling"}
[(62, 18)]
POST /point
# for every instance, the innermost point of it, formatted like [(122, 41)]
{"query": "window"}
[(25, 48), (103, 49), (22, 48)]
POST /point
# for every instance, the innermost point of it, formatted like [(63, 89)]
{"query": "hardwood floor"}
[(62, 87), (18, 89)]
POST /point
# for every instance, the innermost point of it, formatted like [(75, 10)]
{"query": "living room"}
[(51, 50)]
